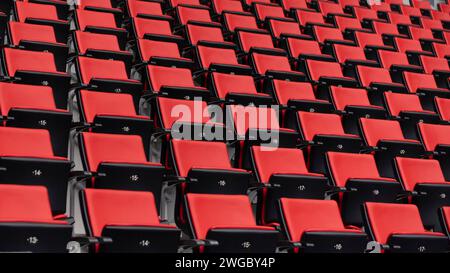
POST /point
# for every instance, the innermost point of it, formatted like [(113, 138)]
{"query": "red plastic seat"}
[(400, 225), (223, 218)]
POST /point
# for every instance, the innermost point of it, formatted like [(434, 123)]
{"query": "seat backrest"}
[(23, 142), (313, 124), (345, 166), (91, 68), (288, 90), (397, 102), (304, 17), (344, 23), (27, 10), (299, 46), (318, 69), (415, 81), (88, 18), (368, 75), (151, 26), (203, 33), (89, 40), (170, 76), (264, 11), (278, 161), (301, 215), (187, 13), (443, 107), (25, 96), (190, 154), (26, 60), (119, 208), (264, 62), (433, 135), (20, 203), (214, 55), (20, 32), (386, 219), (233, 21), (345, 52), (107, 104), (284, 27), (385, 28), (404, 45), (326, 33), (229, 83), (431, 64), (150, 48), (144, 7), (389, 58), (251, 117), (345, 96), (169, 113), (251, 39), (368, 39), (413, 171), (98, 149), (208, 211), (375, 130)]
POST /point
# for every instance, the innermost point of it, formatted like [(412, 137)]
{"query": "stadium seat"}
[(220, 6), (264, 12), (286, 168), (443, 108), (324, 132), (322, 232), (385, 139), (172, 82), (124, 168), (412, 48), (439, 67), (306, 49), (436, 141), (36, 68), (397, 228), (193, 14), (198, 34), (441, 50), (241, 89), (126, 221), (171, 118), (352, 104), (327, 36), (275, 66), (408, 109), (27, 224), (396, 63), (161, 53), (371, 43), (298, 96), (428, 189), (426, 86), (28, 159), (283, 29), (350, 57), (154, 29), (101, 46), (327, 74), (357, 181), (143, 9), (256, 41), (113, 113), (105, 75), (204, 167), (257, 126), (32, 106), (221, 222), (219, 59), (377, 81), (234, 21)]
